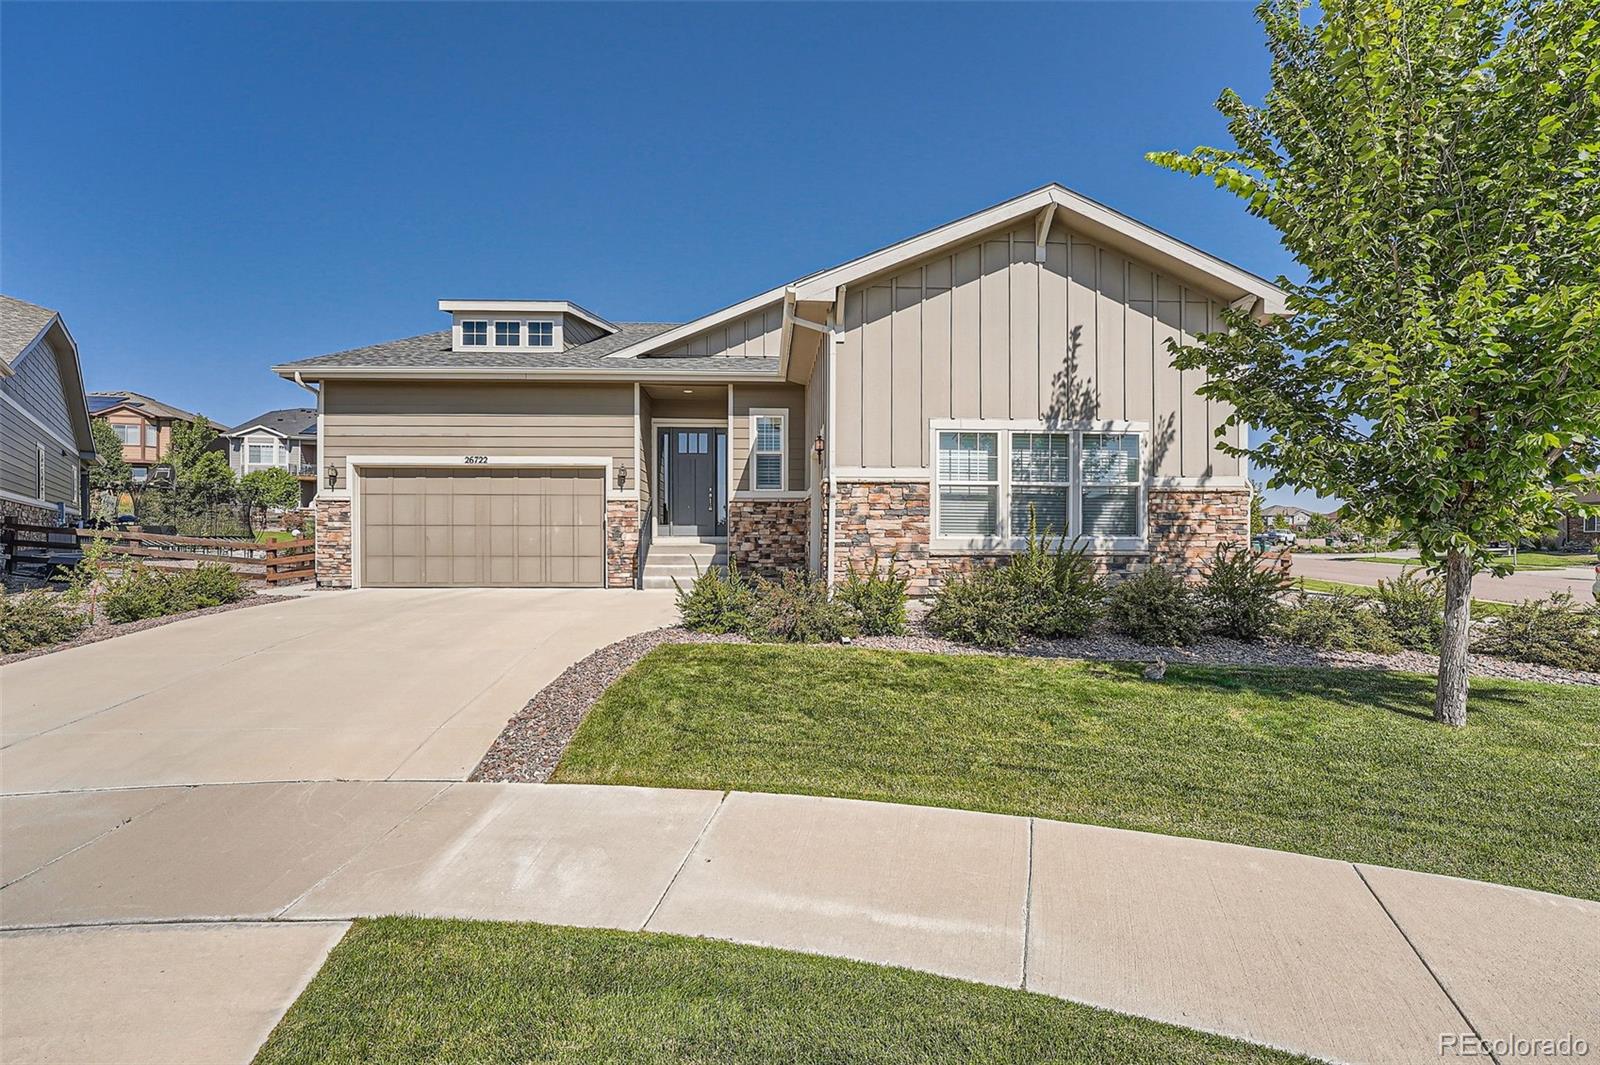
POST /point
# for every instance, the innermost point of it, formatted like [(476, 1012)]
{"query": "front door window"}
[(691, 491)]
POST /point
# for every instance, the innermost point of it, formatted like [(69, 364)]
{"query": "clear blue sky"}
[(207, 189)]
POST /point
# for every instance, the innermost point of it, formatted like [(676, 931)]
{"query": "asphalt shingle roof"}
[(20, 322), (290, 421), (98, 401), (432, 351)]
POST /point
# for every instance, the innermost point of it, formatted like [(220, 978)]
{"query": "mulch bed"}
[(528, 748), (106, 630)]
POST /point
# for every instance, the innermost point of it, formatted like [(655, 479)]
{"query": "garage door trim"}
[(467, 461)]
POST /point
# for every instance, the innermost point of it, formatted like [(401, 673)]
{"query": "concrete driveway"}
[(365, 685)]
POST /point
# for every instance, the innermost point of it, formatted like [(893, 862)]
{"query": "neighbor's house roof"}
[(100, 402), (288, 421), (633, 351), (21, 323)]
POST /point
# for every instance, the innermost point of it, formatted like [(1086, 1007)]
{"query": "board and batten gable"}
[(500, 418), (757, 333), (986, 331), (36, 387)]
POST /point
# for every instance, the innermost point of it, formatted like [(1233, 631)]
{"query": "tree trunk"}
[(1450, 702)]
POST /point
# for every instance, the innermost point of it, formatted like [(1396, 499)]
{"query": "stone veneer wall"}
[(333, 543), (885, 520), (1187, 525), (622, 543), (29, 514), (768, 535)]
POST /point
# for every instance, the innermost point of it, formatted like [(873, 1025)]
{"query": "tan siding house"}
[(920, 402), (45, 440)]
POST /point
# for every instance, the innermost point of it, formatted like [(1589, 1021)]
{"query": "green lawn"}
[(403, 990), (272, 536), (1525, 560), (1343, 763)]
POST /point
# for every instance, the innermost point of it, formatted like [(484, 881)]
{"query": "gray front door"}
[(693, 501)]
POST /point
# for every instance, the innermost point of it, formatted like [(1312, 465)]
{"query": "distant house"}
[(45, 442), (1292, 517), (143, 425), (1581, 528), (286, 439)]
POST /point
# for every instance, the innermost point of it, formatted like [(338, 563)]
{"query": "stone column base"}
[(622, 543), (333, 543), (768, 535)]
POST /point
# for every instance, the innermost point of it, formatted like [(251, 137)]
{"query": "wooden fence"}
[(281, 562)]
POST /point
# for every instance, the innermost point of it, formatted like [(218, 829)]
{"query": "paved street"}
[(1351, 963), (1527, 584)]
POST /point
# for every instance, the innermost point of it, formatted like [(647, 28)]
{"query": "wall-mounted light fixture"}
[(333, 475), (622, 475), (818, 447)]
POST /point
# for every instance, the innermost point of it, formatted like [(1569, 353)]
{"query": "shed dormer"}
[(521, 325)]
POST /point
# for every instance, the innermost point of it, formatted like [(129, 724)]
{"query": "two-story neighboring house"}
[(143, 425), (45, 441), (286, 439)]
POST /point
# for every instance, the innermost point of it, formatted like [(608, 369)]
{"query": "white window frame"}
[(1070, 485), (782, 414), (546, 325), (1591, 523), (258, 440), (133, 430), (1002, 447), (39, 473), (1009, 539), (517, 343), (152, 435), (475, 321)]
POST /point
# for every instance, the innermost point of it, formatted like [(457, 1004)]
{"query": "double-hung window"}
[(151, 435), (261, 452), (969, 484), (767, 452), (1041, 482), (1111, 485), (474, 334), (991, 483), (541, 334), (508, 334)]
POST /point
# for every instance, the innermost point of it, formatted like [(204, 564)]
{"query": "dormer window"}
[(541, 334), (508, 334), (474, 334)]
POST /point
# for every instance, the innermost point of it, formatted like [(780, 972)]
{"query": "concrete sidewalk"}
[(1512, 588), (1339, 961)]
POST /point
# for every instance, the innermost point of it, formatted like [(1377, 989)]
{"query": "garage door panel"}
[(504, 527)]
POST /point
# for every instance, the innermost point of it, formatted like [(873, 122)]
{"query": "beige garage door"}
[(426, 528)]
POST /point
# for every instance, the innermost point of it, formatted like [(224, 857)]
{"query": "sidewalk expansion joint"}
[(681, 865)]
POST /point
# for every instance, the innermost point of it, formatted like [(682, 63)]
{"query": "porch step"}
[(681, 562)]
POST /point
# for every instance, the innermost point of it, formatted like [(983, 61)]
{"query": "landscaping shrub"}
[(718, 601), (878, 597), (1242, 595), (1548, 632), (1338, 622), (34, 619), (1155, 607), (1413, 605), (795, 608), (140, 592), (978, 608), (1056, 591)]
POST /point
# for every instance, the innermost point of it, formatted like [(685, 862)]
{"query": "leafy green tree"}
[(260, 490), (109, 476), (1319, 525), (1435, 170), (1258, 524)]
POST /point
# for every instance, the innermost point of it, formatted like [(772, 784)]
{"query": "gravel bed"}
[(528, 748), (106, 630)]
